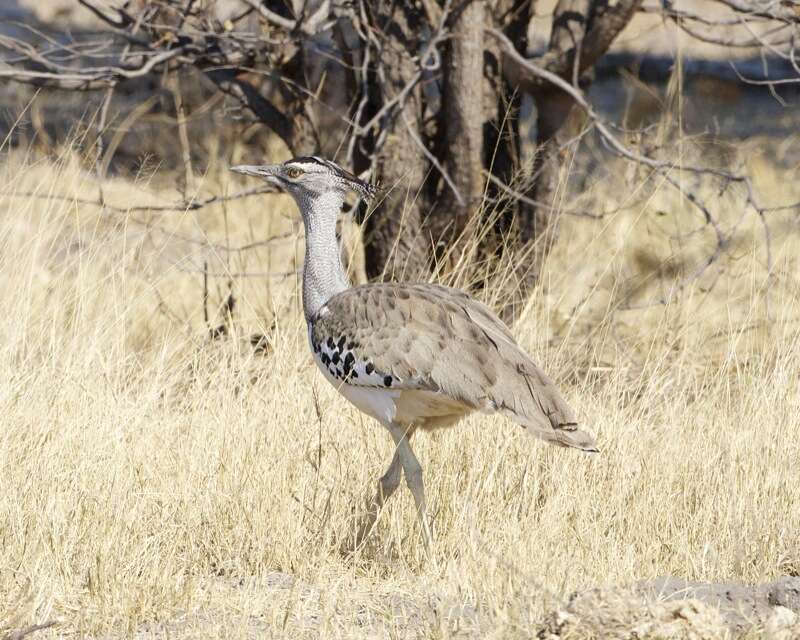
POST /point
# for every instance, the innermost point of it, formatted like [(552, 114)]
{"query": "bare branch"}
[(316, 22), (95, 78), (577, 48), (19, 634), (536, 203), (123, 20), (774, 10), (263, 110), (577, 95), (181, 207)]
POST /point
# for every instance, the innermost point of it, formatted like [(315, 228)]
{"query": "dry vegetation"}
[(156, 482)]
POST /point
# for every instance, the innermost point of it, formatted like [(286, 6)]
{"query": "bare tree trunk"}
[(405, 233), (395, 243), (539, 224), (582, 32), (461, 121), (503, 150)]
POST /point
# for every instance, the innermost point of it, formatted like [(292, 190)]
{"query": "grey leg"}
[(386, 487), (414, 480)]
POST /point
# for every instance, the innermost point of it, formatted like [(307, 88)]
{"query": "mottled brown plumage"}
[(438, 340)]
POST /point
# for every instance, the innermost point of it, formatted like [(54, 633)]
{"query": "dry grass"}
[(155, 482)]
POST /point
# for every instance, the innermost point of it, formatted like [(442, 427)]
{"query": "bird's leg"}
[(413, 472), (386, 487)]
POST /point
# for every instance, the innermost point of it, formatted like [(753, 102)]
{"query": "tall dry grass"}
[(156, 482)]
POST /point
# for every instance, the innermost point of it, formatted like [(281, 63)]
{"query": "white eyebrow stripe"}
[(305, 166)]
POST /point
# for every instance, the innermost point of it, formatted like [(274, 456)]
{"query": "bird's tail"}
[(571, 436), (562, 435), (559, 433)]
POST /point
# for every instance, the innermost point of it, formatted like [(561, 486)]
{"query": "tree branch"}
[(261, 108)]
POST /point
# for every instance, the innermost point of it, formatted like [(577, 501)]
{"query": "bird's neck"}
[(323, 273)]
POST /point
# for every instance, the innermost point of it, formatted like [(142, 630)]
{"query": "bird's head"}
[(309, 177)]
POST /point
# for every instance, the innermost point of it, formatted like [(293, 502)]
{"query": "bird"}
[(413, 356)]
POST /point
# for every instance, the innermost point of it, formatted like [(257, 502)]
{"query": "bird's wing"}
[(430, 337)]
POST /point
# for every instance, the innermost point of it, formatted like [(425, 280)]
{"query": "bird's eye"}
[(294, 173)]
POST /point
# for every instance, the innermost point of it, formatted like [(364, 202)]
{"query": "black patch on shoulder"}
[(354, 374)]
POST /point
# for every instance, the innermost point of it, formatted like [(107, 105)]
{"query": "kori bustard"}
[(412, 356)]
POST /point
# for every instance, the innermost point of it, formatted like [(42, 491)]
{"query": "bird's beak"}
[(266, 171)]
